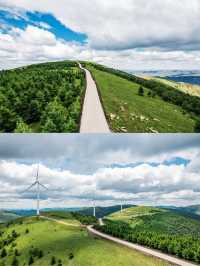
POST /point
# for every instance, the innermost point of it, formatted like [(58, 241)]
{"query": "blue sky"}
[(37, 19)]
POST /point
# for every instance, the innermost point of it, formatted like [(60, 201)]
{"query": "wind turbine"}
[(38, 185)]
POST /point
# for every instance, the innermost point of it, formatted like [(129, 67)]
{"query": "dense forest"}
[(188, 103), (186, 246), (41, 98)]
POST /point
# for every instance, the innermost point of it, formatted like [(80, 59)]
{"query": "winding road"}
[(93, 119), (147, 251)]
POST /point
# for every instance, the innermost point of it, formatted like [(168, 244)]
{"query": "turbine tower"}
[(38, 185), (94, 209), (121, 207)]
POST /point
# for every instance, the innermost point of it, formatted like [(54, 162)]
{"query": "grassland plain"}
[(129, 112), (63, 242)]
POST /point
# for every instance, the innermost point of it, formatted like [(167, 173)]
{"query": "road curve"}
[(93, 119), (147, 251)]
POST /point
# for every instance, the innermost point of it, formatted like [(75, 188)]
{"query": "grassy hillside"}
[(41, 98), (103, 211), (7, 216), (158, 220), (69, 245), (129, 112), (156, 228), (191, 89)]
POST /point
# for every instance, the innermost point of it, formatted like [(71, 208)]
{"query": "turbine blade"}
[(29, 187), (43, 186), (37, 176)]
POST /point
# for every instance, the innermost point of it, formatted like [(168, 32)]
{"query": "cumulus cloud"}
[(90, 176), (125, 24), (130, 34)]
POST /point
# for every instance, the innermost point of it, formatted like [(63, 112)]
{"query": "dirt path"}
[(59, 222), (93, 119), (147, 251)]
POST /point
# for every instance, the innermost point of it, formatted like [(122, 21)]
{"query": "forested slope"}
[(41, 98), (156, 228)]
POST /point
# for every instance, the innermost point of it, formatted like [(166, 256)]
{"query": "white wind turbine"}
[(38, 186)]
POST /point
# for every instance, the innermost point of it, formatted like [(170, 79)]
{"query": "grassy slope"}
[(62, 215), (103, 211), (159, 220), (185, 87), (127, 111), (59, 240)]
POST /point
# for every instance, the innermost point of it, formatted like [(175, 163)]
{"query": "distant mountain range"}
[(7, 216), (190, 76), (191, 211)]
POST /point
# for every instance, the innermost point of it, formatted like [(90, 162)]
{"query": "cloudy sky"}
[(137, 169), (127, 34)]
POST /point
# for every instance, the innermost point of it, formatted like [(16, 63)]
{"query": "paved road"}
[(101, 223), (144, 250), (93, 119)]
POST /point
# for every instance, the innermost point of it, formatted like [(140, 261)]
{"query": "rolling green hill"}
[(39, 242), (158, 220), (164, 230), (193, 211), (103, 211), (158, 108), (7, 216)]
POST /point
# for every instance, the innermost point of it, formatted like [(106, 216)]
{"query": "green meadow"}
[(68, 245), (129, 112)]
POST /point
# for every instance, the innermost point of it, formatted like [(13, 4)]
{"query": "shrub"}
[(53, 260), (71, 256), (3, 253), (15, 262), (31, 260), (141, 91)]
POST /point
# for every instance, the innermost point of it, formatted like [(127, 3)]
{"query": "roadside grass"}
[(129, 112), (61, 241)]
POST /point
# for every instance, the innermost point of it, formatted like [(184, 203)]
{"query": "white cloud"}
[(125, 23), (142, 184), (168, 31)]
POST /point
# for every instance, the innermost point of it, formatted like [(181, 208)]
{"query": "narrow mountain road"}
[(93, 119), (147, 251), (101, 223)]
